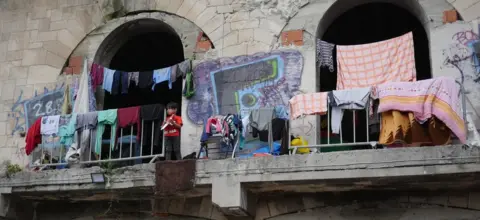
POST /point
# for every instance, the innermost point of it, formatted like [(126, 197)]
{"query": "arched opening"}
[(367, 21), (373, 22), (136, 46), (142, 45)]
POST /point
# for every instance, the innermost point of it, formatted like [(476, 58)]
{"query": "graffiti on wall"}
[(460, 55), (236, 85), (24, 112)]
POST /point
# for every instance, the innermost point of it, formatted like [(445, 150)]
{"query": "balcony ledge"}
[(346, 170)]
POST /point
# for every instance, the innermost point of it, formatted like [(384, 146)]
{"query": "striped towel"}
[(308, 104), (376, 63), (437, 97)]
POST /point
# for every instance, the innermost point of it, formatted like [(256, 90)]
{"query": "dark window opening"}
[(370, 23), (150, 45), (145, 52)]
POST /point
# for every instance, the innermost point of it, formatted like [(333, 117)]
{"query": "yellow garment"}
[(66, 107), (402, 128), (300, 142)]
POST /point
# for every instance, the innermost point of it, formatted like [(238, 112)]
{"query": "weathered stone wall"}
[(38, 36), (364, 205)]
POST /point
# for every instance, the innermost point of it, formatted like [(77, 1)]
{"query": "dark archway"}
[(368, 21), (142, 45), (373, 22)]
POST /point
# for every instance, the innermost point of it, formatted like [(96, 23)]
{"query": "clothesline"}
[(443, 104), (117, 81), (185, 61), (65, 126)]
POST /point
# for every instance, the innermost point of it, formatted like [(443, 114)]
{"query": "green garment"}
[(66, 132), (107, 117), (189, 89)]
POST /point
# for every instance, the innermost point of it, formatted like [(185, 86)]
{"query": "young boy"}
[(172, 132)]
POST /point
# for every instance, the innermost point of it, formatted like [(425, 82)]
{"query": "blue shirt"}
[(108, 79), (162, 75)]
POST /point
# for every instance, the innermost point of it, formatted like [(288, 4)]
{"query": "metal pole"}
[(131, 139)]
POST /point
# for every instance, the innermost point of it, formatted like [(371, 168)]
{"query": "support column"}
[(232, 198), (5, 208)]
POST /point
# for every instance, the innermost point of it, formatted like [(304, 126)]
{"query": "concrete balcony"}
[(235, 184)]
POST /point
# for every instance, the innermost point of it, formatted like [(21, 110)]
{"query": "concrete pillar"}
[(5, 210), (12, 207), (232, 198)]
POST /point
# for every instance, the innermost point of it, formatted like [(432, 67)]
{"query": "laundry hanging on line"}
[(432, 108), (365, 65), (325, 54), (442, 102), (308, 104), (89, 127), (120, 84), (353, 99)]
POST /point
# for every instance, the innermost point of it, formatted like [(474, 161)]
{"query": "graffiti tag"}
[(24, 112), (459, 56)]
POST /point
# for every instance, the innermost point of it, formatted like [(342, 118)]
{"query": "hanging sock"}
[(325, 54), (189, 89)]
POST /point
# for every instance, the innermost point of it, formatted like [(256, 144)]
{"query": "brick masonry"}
[(450, 16)]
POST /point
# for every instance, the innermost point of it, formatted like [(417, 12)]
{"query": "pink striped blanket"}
[(438, 97)]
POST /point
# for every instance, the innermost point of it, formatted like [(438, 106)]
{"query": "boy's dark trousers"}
[(172, 146)]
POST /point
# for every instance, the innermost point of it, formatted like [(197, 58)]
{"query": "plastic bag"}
[(300, 141)]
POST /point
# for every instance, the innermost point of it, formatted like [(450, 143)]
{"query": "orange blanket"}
[(402, 128)]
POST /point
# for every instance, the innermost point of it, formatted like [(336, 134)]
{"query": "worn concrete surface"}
[(243, 183), (365, 164), (341, 205)]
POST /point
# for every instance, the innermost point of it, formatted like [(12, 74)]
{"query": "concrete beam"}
[(364, 164), (232, 198)]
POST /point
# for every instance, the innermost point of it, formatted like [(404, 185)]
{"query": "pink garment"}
[(96, 73), (438, 97), (373, 64), (308, 104), (215, 122)]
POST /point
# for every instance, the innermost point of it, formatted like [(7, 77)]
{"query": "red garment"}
[(127, 117), (172, 131), (33, 136), (96, 73)]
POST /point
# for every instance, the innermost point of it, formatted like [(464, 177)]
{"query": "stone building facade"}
[(43, 43), (43, 40)]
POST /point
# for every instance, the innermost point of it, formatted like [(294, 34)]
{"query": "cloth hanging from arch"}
[(365, 65), (325, 54)]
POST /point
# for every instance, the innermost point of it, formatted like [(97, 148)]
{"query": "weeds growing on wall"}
[(12, 169)]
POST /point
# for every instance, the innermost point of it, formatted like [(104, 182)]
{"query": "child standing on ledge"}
[(172, 132)]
